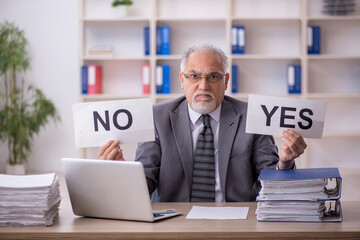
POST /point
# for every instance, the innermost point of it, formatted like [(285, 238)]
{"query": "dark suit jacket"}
[(168, 161)]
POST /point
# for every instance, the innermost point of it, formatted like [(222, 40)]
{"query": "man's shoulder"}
[(170, 105), (237, 105)]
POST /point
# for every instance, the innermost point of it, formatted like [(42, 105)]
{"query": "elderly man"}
[(201, 151)]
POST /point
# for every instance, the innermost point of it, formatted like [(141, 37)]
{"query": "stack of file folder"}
[(29, 200), (300, 195)]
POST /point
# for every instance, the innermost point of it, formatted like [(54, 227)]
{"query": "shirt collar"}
[(194, 116)]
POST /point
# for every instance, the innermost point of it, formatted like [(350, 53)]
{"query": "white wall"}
[(51, 27)]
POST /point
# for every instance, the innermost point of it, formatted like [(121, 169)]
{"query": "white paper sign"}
[(128, 121), (272, 115)]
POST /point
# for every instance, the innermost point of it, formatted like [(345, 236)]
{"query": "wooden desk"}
[(70, 226)]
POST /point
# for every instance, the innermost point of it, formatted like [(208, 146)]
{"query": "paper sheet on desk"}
[(198, 212)]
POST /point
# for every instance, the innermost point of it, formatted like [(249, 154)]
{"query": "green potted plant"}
[(24, 109), (122, 6)]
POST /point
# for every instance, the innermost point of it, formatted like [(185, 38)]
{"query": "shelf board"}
[(337, 18), (106, 97), (346, 133), (192, 19), (332, 57), (115, 58), (168, 57), (333, 95), (124, 19), (246, 95), (263, 57), (168, 96), (274, 19)]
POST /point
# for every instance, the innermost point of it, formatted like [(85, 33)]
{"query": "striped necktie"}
[(203, 183)]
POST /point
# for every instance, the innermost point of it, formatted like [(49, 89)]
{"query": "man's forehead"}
[(203, 61)]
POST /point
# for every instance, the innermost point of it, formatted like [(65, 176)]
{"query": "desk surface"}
[(70, 226)]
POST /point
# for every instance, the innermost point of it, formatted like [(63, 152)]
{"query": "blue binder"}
[(234, 78), (158, 40), (241, 39), (166, 79), (314, 39), (234, 40), (165, 40), (84, 79), (293, 77), (238, 39), (147, 40), (159, 79), (301, 174)]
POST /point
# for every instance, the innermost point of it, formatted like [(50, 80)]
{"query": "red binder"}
[(145, 75), (94, 79)]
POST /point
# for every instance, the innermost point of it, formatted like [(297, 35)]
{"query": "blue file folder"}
[(234, 79), (165, 40), (84, 79), (158, 40), (238, 41), (147, 40), (314, 37), (166, 79), (293, 78)]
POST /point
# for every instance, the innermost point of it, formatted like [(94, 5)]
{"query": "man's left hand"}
[(293, 146)]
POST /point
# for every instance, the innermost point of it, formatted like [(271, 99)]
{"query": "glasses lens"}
[(212, 78)]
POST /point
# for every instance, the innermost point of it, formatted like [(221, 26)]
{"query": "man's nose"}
[(203, 83)]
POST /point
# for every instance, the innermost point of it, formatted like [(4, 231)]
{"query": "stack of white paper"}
[(306, 195), (306, 189), (29, 200)]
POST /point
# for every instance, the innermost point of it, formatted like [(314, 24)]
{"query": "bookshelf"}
[(276, 35)]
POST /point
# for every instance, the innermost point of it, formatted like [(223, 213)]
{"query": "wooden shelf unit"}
[(276, 35)]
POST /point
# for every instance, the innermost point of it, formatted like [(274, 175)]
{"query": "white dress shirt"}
[(196, 127)]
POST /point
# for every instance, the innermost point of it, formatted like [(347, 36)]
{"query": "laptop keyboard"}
[(158, 215)]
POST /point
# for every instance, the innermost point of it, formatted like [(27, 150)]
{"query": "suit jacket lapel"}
[(229, 121), (182, 134)]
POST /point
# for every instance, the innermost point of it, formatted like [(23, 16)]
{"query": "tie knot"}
[(206, 120)]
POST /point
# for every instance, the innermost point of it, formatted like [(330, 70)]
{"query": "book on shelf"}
[(101, 51), (159, 79), (147, 41), (299, 195), (163, 40), (336, 7), (238, 39), (84, 79), (145, 76), (313, 41), (166, 79), (234, 78), (163, 79), (293, 78), (29, 200), (94, 79)]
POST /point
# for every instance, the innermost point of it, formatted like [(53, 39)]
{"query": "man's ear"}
[(182, 79), (227, 77)]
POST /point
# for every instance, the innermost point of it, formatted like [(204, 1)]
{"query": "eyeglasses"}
[(211, 78)]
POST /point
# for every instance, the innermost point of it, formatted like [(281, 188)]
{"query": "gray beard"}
[(203, 107)]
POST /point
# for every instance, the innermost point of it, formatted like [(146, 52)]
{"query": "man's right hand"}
[(111, 151)]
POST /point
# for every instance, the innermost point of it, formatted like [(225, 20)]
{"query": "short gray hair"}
[(207, 48)]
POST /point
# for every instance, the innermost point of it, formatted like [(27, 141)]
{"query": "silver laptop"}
[(110, 189)]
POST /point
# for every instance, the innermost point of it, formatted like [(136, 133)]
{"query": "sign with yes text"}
[(128, 121), (272, 115)]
